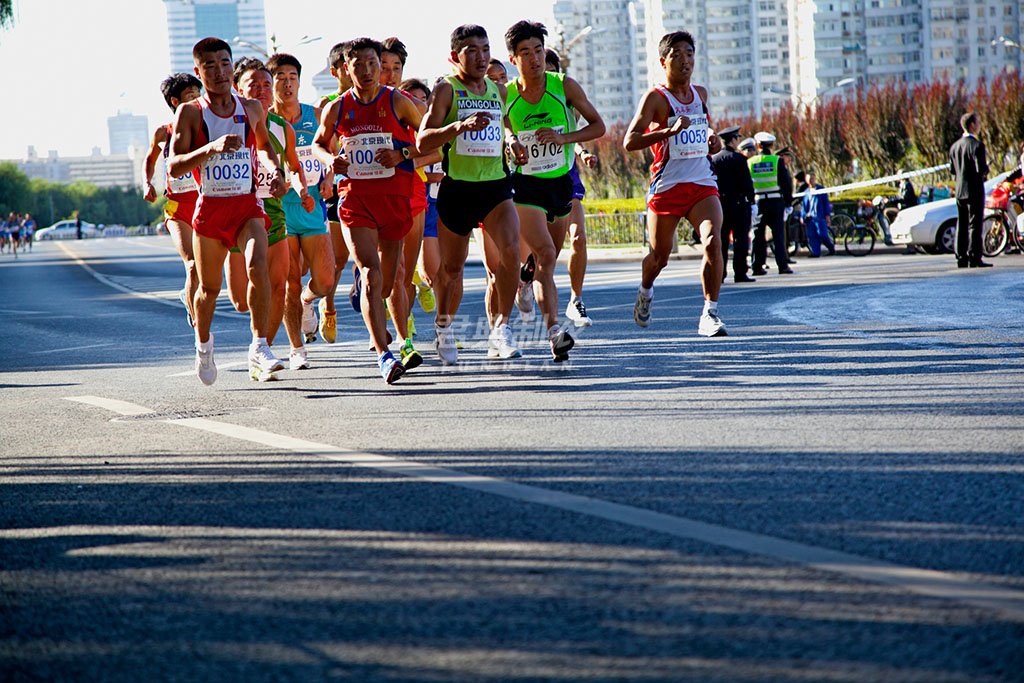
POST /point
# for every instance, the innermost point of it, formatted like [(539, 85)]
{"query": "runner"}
[(14, 232), (219, 135), (576, 311), (304, 211), (673, 118), (28, 231), (497, 72), (465, 120), (253, 81), (332, 196), (542, 108), (4, 237), (393, 61), (372, 122), (182, 193), (429, 257)]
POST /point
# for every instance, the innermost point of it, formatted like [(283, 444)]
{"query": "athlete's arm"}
[(159, 138), (518, 149), (410, 115), (577, 99), (323, 141), (433, 133), (428, 159), (184, 157), (265, 150), (297, 178), (652, 106)]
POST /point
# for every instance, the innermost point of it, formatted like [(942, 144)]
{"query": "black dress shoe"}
[(786, 271), (743, 278), (961, 263), (832, 251), (978, 264), (792, 260), (812, 256), (758, 271)]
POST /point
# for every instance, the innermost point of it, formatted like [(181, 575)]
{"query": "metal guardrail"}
[(623, 229)]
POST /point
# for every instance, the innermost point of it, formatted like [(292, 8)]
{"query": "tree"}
[(15, 191), (876, 133), (6, 13), (933, 120), (822, 144)]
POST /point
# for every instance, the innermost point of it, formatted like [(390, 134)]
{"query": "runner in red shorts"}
[(373, 123), (219, 136), (673, 119), (182, 193)]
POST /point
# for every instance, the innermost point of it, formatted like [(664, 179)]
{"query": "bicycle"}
[(1002, 226), (859, 238)]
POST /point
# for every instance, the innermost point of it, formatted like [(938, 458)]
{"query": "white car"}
[(932, 226), (67, 230)]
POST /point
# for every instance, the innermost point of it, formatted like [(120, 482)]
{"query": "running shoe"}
[(561, 344), (390, 369), (577, 313), (328, 323), (183, 298), (711, 325), (355, 293), (411, 358), (412, 325), (261, 356), (642, 309), (309, 323), (298, 359), (206, 368), (525, 302), (445, 345), (500, 343), (426, 297)]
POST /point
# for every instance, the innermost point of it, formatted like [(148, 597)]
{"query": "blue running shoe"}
[(356, 292), (390, 369)]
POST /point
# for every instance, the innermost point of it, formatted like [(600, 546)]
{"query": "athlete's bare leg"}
[(663, 230), (210, 254), (707, 215), (492, 263), (430, 261), (402, 293), (252, 241), (340, 250), (539, 238), (502, 226), (578, 249), (310, 252), (181, 235), (448, 284), (238, 284), (367, 253)]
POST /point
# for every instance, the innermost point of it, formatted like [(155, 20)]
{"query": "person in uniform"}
[(737, 192), (773, 190)]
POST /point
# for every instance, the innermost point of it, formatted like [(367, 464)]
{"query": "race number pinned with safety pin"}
[(228, 174), (480, 143), (361, 151), (542, 157), (691, 142), (311, 166)]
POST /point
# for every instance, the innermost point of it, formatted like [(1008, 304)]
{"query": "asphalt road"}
[(833, 492)]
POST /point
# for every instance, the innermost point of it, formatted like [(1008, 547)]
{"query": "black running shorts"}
[(462, 204), (553, 196)]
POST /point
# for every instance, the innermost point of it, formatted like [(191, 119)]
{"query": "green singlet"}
[(476, 155), (552, 111)]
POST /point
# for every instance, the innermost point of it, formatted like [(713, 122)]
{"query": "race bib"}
[(228, 175), (311, 166), (361, 151), (691, 142), (481, 143), (264, 177), (541, 157), (182, 184)]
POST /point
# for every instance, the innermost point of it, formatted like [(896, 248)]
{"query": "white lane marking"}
[(149, 296), (1009, 603), (10, 311), (220, 366), (73, 348)]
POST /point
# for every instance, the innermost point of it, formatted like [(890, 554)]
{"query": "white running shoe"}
[(642, 309), (298, 359), (444, 342), (711, 325), (262, 357), (525, 302), (500, 343), (577, 313), (206, 369), (309, 322)]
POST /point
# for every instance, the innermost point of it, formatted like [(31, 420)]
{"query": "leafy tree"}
[(933, 120), (822, 144), (6, 13), (876, 132), (15, 190)]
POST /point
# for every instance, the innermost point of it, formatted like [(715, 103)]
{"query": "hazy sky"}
[(72, 63)]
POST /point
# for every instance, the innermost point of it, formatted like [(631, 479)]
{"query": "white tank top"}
[(684, 157), (233, 174)]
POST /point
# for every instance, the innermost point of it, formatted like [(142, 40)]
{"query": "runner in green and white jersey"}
[(542, 108)]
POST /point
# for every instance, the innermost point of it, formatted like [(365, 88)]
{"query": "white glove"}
[(786, 213), (755, 216)]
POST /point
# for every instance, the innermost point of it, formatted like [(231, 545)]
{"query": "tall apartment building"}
[(113, 170), (958, 38), (609, 60), (190, 20), (126, 130)]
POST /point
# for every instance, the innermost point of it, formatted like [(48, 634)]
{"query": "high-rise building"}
[(601, 43), (958, 38), (127, 130), (112, 170), (188, 21)]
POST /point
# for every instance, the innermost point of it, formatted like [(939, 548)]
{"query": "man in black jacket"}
[(969, 166), (737, 193)]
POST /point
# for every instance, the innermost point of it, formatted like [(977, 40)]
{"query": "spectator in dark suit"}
[(736, 190), (970, 168)]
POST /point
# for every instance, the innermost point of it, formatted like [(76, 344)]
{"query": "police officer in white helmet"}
[(773, 189)]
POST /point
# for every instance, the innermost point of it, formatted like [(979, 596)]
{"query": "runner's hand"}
[(519, 154), (327, 185), (477, 121), (341, 165), (550, 136), (679, 125), (388, 158), (308, 203), (226, 144), (589, 160), (278, 186), (714, 143), (150, 195)]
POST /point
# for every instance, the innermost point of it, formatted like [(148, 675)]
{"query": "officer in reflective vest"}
[(773, 189)]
